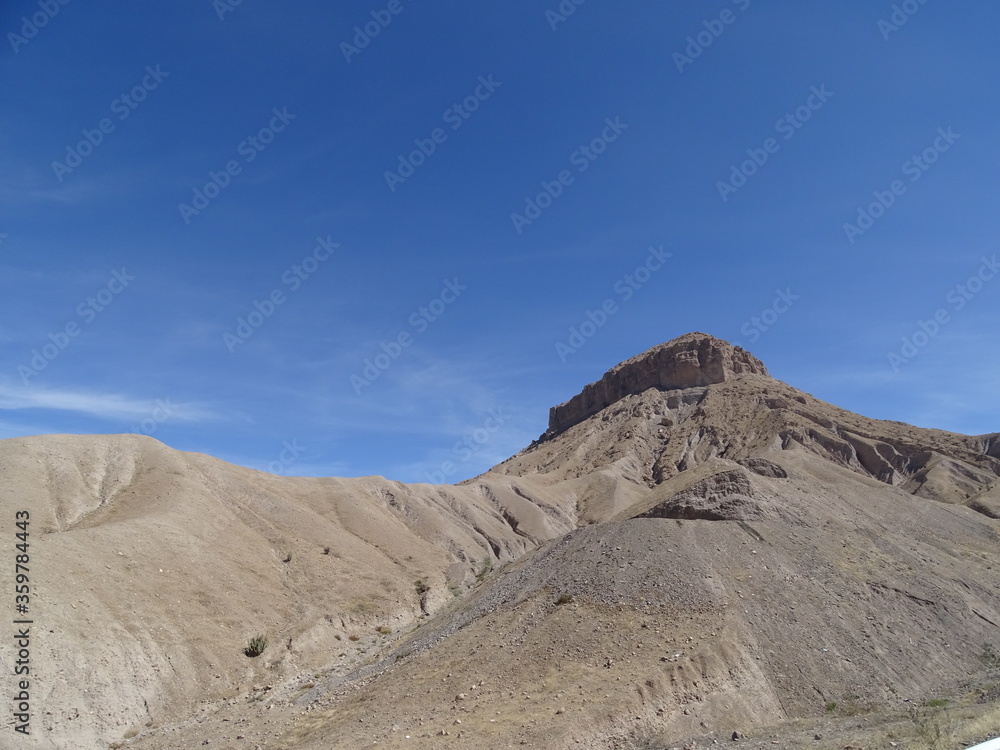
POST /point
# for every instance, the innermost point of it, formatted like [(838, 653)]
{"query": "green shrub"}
[(484, 569), (831, 706), (989, 655), (255, 646)]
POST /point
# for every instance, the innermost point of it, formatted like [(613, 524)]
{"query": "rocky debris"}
[(724, 496), (695, 359), (764, 468)]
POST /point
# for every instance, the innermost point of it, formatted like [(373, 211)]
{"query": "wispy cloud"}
[(110, 406), (438, 396), (31, 186)]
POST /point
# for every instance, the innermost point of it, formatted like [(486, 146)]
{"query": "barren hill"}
[(692, 548)]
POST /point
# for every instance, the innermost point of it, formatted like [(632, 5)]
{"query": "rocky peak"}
[(691, 360)]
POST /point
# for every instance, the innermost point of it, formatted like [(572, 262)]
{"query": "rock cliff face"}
[(695, 359)]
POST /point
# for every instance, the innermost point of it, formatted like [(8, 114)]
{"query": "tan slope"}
[(650, 434), (673, 628), (152, 568)]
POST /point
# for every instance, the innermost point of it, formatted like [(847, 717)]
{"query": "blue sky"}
[(215, 216)]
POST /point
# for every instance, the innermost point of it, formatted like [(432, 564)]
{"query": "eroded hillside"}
[(693, 547)]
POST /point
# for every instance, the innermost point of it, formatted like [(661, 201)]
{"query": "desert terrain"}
[(693, 554)]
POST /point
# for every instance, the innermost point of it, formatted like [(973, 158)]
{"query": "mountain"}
[(692, 548)]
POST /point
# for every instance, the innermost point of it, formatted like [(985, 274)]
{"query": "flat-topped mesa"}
[(691, 360)]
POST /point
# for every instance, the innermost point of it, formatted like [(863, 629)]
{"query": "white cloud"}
[(111, 406)]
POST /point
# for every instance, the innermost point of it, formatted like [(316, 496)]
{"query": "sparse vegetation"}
[(362, 607), (421, 587), (928, 726), (326, 550), (564, 599), (937, 703), (383, 630), (455, 589), (485, 568), (354, 637), (977, 727), (255, 646), (853, 706), (831, 706), (989, 656)]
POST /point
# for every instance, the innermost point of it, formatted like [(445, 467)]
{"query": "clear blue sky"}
[(167, 170)]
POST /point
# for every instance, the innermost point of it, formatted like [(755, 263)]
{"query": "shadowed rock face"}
[(695, 359)]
